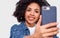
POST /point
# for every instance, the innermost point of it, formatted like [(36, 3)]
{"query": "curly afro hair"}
[(22, 5)]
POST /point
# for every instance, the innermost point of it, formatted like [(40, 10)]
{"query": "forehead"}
[(34, 5)]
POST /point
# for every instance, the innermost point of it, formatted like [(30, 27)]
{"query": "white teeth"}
[(30, 18)]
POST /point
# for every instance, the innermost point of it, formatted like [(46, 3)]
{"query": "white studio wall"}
[(7, 8)]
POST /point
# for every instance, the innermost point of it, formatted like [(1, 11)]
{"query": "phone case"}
[(49, 14)]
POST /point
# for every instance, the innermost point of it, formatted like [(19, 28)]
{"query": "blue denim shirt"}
[(19, 31)]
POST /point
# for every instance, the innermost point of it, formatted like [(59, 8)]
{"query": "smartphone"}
[(49, 14)]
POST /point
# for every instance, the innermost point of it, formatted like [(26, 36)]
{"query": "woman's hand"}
[(47, 30)]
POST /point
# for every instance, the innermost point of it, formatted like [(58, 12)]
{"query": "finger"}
[(50, 30), (39, 22), (50, 34), (54, 24)]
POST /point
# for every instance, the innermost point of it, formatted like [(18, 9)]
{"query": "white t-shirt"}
[(32, 29)]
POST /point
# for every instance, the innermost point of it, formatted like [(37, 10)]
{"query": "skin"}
[(32, 14)]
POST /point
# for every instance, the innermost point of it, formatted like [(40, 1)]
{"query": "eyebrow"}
[(34, 9), (37, 9)]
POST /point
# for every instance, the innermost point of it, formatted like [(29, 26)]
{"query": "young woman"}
[(28, 13)]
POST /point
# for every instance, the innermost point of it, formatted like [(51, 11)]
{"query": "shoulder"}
[(16, 27), (16, 31), (19, 27)]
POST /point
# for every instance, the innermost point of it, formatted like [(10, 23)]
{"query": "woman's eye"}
[(36, 11)]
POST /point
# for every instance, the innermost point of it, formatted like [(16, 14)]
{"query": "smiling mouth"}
[(31, 18)]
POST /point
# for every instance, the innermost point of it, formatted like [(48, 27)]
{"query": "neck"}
[(28, 24)]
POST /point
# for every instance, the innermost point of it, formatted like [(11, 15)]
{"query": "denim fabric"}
[(19, 31)]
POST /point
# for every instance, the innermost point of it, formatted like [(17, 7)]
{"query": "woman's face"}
[(32, 13)]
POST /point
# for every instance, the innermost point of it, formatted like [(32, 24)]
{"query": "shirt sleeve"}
[(15, 33)]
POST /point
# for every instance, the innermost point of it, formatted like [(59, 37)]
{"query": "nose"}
[(32, 13)]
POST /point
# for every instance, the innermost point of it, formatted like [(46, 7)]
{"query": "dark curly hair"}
[(22, 5)]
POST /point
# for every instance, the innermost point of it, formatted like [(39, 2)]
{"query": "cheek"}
[(26, 14), (37, 15)]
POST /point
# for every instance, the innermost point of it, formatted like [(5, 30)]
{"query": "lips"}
[(31, 18)]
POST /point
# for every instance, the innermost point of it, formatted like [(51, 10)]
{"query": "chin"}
[(31, 22)]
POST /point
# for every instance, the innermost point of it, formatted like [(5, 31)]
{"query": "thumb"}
[(39, 22)]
